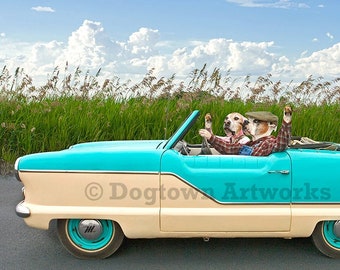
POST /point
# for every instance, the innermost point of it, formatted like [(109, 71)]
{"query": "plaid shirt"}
[(261, 147)]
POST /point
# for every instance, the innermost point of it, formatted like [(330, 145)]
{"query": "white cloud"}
[(143, 41), (329, 35), (14, 54), (321, 63), (40, 53), (43, 9), (85, 46), (180, 62), (2, 35), (242, 58), (90, 48), (252, 57), (269, 4)]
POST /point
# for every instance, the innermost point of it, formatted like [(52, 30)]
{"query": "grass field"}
[(76, 108)]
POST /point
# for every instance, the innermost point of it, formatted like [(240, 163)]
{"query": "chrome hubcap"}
[(336, 228), (90, 229)]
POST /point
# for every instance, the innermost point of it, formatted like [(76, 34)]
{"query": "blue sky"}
[(287, 38)]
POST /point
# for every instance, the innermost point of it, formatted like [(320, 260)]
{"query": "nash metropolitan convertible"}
[(101, 192)]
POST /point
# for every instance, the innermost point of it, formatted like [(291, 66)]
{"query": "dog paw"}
[(208, 117), (205, 133), (287, 116), (208, 120), (288, 110)]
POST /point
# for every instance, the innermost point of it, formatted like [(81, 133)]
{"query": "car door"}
[(225, 192)]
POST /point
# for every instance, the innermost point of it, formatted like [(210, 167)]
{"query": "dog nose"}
[(245, 123), (227, 123)]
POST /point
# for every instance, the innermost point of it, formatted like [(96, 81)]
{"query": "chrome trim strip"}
[(90, 172), (16, 169), (16, 164)]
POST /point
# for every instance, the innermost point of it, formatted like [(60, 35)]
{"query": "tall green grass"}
[(76, 108)]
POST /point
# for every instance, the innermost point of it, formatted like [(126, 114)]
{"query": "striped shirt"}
[(261, 147)]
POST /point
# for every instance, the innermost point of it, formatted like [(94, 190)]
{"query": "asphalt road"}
[(22, 247)]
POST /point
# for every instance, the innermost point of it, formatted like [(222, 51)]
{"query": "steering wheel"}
[(205, 149), (182, 148)]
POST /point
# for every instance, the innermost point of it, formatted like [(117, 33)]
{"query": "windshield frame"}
[(182, 130)]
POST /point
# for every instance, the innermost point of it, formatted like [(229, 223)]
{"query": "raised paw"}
[(287, 116), (288, 110), (208, 117)]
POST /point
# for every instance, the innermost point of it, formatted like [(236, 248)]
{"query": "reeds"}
[(74, 108)]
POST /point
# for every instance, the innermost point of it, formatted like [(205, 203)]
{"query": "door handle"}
[(280, 171)]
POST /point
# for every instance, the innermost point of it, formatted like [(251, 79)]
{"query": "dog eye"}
[(255, 121), (236, 118)]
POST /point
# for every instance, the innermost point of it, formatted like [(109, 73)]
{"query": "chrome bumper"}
[(22, 211)]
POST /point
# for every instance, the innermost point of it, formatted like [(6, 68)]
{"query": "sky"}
[(289, 39)]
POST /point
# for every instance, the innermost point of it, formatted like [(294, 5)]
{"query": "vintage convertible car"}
[(101, 192)]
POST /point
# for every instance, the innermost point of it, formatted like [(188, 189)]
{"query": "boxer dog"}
[(233, 127)]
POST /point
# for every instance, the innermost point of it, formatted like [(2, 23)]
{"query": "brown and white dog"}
[(232, 125), (262, 124), (259, 126)]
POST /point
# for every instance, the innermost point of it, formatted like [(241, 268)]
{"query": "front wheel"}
[(90, 238), (326, 238)]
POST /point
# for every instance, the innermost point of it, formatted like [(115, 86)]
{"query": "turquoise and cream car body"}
[(101, 192)]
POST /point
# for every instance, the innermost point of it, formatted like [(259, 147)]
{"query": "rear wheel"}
[(90, 238), (326, 238)]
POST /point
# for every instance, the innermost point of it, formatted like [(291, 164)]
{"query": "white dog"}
[(233, 127)]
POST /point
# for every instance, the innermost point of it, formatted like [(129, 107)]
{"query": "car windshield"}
[(182, 130)]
